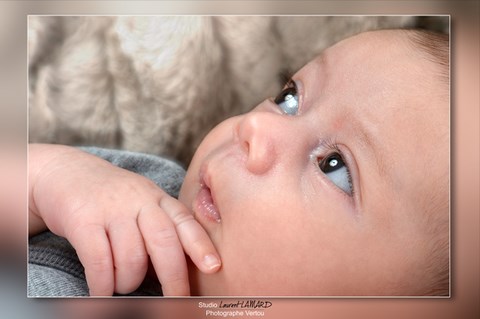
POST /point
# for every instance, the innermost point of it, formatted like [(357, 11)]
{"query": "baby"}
[(338, 186)]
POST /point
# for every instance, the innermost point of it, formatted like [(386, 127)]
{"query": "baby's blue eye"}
[(287, 100), (335, 169)]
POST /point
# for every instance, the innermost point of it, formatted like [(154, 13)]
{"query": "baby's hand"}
[(115, 220)]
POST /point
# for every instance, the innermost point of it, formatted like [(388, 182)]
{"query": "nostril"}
[(246, 146)]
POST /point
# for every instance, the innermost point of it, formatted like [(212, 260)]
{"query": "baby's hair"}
[(436, 48), (438, 256)]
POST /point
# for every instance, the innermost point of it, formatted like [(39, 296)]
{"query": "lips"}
[(204, 203)]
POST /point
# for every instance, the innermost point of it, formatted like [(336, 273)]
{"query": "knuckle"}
[(183, 219), (133, 261), (175, 210), (165, 237), (175, 279), (175, 284), (76, 230), (100, 264)]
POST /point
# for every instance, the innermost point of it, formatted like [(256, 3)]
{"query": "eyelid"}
[(300, 92), (289, 84), (329, 147)]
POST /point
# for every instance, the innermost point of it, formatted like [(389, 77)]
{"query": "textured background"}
[(464, 146)]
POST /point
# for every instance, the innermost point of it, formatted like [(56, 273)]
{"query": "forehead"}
[(373, 59), (377, 75), (374, 76)]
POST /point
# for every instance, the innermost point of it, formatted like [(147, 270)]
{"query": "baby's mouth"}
[(205, 204)]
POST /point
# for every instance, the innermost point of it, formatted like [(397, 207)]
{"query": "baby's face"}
[(331, 200)]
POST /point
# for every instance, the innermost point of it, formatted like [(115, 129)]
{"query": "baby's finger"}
[(129, 255), (165, 251), (93, 250), (194, 238)]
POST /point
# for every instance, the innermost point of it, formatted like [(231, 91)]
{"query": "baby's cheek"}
[(260, 254)]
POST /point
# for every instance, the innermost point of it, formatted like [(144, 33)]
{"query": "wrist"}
[(36, 224), (42, 162)]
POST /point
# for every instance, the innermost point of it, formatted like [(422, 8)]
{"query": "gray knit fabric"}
[(165, 173), (53, 266)]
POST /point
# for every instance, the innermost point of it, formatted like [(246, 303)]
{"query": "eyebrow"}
[(367, 140)]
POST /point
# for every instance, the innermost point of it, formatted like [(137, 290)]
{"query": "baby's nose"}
[(256, 132)]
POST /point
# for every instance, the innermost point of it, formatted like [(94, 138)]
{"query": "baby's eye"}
[(335, 169), (287, 100)]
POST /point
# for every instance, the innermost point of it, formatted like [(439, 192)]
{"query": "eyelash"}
[(287, 81), (285, 78), (288, 98), (331, 147)]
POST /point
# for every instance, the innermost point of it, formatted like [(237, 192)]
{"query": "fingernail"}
[(211, 261)]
